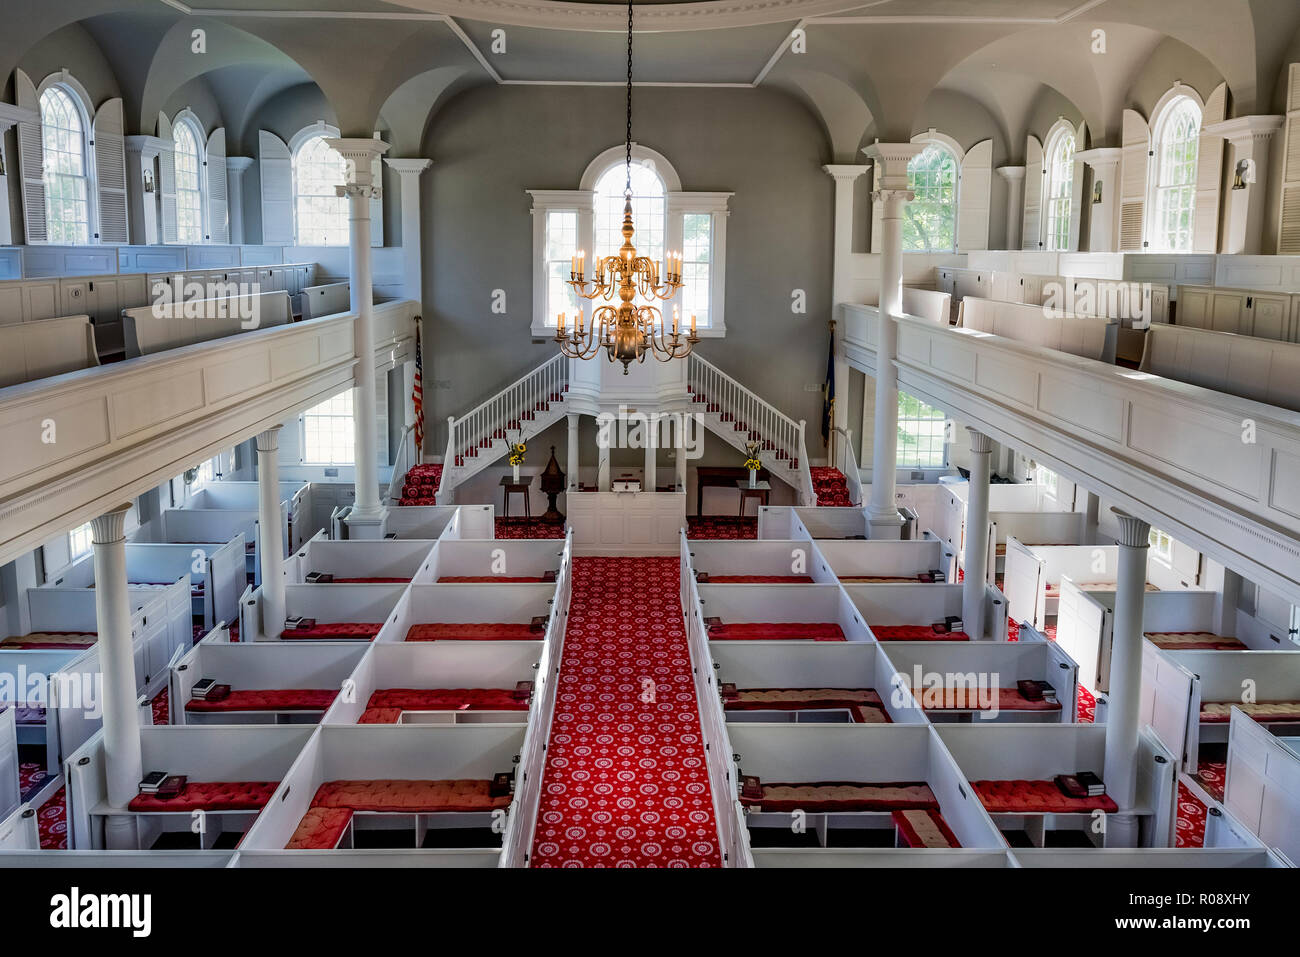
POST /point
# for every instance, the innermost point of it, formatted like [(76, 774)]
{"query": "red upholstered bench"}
[(386, 706), (924, 829), (210, 796), (1036, 797), (915, 633), (815, 796), (369, 581), (878, 579), (776, 631), (956, 699), (495, 579), (320, 829), (410, 797), (1194, 641), (54, 640), (863, 703), (1220, 712), (756, 580), (337, 630), (453, 631), (271, 699)]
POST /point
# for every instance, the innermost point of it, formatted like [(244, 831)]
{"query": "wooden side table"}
[(760, 491), (509, 485)]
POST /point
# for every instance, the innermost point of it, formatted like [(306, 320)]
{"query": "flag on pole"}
[(417, 395), (828, 391)]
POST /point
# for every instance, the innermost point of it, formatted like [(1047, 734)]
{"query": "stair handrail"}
[(847, 463), (401, 465)]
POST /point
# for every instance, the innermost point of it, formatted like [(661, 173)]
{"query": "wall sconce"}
[(1096, 193), (1244, 175), (148, 182)]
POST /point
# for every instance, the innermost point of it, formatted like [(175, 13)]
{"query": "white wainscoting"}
[(627, 523)]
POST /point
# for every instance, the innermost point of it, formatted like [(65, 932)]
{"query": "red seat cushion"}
[(54, 640), (498, 579), (410, 796), (386, 706), (924, 829), (915, 633), (1194, 641), (777, 631), (953, 699), (1027, 797), (878, 579), (1220, 712), (370, 581), (843, 796), (341, 630), (210, 796), (863, 703), (271, 699), (320, 829), (453, 631), (759, 580)]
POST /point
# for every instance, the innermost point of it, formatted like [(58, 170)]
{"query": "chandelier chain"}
[(629, 96)]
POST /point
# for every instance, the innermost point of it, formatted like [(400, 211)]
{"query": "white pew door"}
[(1023, 584), (10, 793), (1080, 623), (1168, 690)]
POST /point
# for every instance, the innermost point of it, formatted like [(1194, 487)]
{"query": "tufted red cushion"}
[(877, 579), (409, 796), (452, 631), (51, 639), (210, 796), (498, 579), (369, 581), (759, 580), (1194, 641), (271, 699), (915, 633), (1026, 797), (386, 706), (863, 703), (777, 631), (952, 698), (816, 796), (320, 829), (1220, 712), (339, 630), (924, 829)]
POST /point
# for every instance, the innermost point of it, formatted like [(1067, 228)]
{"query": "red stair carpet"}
[(421, 486), (830, 487), (625, 783)]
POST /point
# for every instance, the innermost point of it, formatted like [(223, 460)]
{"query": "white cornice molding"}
[(1243, 128), (1011, 172), (11, 115), (146, 145), (848, 171), (407, 165), (1100, 157)]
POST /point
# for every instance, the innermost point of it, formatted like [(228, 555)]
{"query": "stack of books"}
[(1081, 784), (729, 691), (206, 689), (297, 621), (502, 784), (319, 578), (523, 690), (933, 575), (948, 625), (163, 785), (1036, 690)]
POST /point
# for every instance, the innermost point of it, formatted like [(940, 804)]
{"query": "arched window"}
[(189, 182), (320, 213), (648, 213), (67, 177), (930, 220), (1176, 135), (1058, 187)]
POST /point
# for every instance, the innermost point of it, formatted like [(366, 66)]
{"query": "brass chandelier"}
[(627, 332)]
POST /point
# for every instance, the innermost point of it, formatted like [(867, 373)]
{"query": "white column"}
[(368, 513), (651, 455), (892, 192), (574, 419), (142, 188), (122, 758), (687, 421), (1229, 599), (975, 560), (235, 169), (409, 171), (602, 466), (1103, 221), (1015, 177), (1244, 209), (1124, 698), (845, 176), (270, 532), (10, 116)]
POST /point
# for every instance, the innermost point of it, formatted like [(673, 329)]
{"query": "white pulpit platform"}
[(626, 523)]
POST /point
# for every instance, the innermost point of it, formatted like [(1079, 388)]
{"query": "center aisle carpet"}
[(626, 784)]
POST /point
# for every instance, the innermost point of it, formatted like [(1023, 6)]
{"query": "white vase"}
[(753, 478), (516, 473)]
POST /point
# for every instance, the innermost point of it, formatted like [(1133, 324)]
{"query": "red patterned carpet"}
[(1190, 830), (625, 783), (527, 528), (721, 527), (830, 487), (161, 709)]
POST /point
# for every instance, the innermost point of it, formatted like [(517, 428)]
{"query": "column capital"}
[(109, 528), (268, 440), (147, 146), (1101, 157), (979, 442), (407, 166), (891, 160), (237, 164), (1246, 129), (358, 154), (888, 195), (11, 115), (1133, 531), (846, 171), (1011, 172)]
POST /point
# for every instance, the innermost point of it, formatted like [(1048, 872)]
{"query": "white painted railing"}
[(505, 417), (847, 462), (778, 435), (406, 457)]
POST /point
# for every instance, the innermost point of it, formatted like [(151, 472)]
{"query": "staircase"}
[(740, 417), (483, 435)]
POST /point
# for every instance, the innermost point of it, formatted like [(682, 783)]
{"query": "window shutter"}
[(381, 415), (110, 172), (877, 211), (1076, 186), (277, 190), (166, 182), (1135, 159), (1288, 237), (218, 204), (1209, 175), (973, 197), (377, 202), (1032, 223), (31, 161)]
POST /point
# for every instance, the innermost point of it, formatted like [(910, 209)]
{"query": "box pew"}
[(19, 832), (1085, 620), (518, 561), (1092, 338), (363, 605), (850, 561), (296, 496), (766, 562), (1033, 574), (47, 347), (217, 755), (423, 521), (828, 523), (888, 608), (844, 857), (212, 526), (777, 522), (1144, 857), (360, 561), (25, 682), (522, 611), (383, 756), (1262, 370), (763, 605), (388, 857), (1264, 315), (172, 325), (799, 665), (262, 666), (891, 754), (10, 789), (979, 671), (1014, 759), (950, 524), (1263, 785), (114, 860)]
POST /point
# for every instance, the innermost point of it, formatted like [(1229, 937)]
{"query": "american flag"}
[(417, 394)]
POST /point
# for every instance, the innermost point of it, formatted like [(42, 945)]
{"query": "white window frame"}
[(1160, 117), (319, 128), (190, 120), (302, 432), (902, 462), (1060, 129), (678, 203), (81, 100), (933, 137), (1162, 546), (76, 538)]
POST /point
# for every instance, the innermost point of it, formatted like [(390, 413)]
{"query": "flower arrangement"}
[(517, 450), (752, 462)]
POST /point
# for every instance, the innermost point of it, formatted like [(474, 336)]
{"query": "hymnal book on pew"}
[(712, 622), (729, 691), (298, 621), (538, 624), (1069, 786), (925, 577), (955, 623), (940, 628), (218, 693), (501, 784), (751, 787), (202, 687), (319, 578), (937, 576), (523, 690), (549, 576), (152, 781), (1049, 693), (1029, 689), (1089, 781), (702, 578), (173, 786)]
